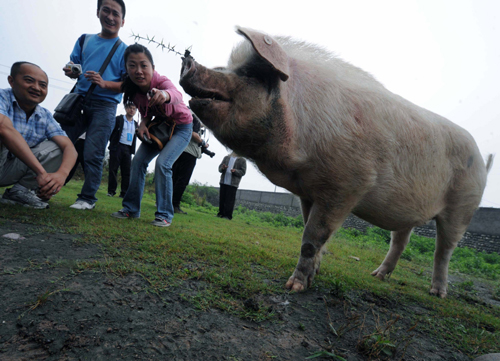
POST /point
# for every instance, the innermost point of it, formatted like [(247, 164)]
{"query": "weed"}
[(40, 300), (376, 345), (324, 353), (339, 288), (381, 344), (467, 287)]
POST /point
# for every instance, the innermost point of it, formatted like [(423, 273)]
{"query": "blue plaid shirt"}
[(39, 127)]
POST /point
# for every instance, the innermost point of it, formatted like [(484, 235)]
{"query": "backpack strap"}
[(104, 66), (82, 41)]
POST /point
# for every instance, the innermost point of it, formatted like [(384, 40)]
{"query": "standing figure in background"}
[(121, 147), (79, 146), (232, 169), (183, 167), (90, 51)]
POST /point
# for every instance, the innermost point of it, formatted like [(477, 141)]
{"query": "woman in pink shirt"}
[(157, 98)]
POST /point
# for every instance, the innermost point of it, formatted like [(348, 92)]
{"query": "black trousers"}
[(227, 198), (182, 170), (79, 146), (121, 158)]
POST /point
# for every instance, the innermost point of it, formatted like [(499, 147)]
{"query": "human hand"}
[(50, 184), (233, 170), (142, 131), (95, 78), (157, 97), (69, 73)]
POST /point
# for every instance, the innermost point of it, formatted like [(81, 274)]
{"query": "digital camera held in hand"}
[(207, 152), (75, 68), (204, 149)]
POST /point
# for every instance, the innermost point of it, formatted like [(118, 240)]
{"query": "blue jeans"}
[(99, 122), (163, 174)]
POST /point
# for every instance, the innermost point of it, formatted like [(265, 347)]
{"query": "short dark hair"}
[(130, 104), (120, 2), (16, 67)]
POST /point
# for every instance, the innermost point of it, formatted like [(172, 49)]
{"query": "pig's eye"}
[(259, 69)]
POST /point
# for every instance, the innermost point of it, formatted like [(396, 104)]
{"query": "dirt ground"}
[(49, 311)]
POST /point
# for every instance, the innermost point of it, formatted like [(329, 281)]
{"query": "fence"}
[(482, 234)]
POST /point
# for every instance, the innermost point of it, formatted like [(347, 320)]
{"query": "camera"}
[(204, 149), (75, 68), (207, 152)]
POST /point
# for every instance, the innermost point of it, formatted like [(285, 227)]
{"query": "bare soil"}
[(51, 311)]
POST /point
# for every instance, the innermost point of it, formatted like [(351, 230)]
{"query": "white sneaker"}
[(82, 205)]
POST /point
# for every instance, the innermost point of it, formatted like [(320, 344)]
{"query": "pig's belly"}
[(397, 216), (389, 222)]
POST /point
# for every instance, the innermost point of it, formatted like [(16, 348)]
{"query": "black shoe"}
[(179, 210)]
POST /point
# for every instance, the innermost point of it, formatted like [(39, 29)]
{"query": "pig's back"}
[(401, 159)]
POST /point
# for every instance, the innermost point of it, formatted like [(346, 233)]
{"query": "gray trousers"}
[(13, 171)]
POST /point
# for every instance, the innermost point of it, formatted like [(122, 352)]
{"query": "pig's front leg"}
[(399, 240), (319, 227)]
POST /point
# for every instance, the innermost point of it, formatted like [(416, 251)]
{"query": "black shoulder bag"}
[(70, 110)]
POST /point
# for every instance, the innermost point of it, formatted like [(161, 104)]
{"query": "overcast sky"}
[(441, 55)]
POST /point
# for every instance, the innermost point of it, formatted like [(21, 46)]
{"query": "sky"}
[(441, 55)]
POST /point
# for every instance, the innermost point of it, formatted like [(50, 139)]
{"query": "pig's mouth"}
[(207, 95), (201, 94)]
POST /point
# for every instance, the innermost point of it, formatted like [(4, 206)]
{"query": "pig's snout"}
[(188, 67)]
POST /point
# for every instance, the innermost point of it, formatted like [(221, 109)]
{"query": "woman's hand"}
[(158, 97), (142, 131)]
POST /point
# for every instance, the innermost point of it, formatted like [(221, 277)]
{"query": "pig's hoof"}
[(382, 272), (439, 287), (294, 284), (438, 292)]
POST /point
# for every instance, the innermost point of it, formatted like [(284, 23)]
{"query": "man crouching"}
[(36, 156)]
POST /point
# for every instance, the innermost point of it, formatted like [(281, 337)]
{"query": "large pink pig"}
[(334, 136)]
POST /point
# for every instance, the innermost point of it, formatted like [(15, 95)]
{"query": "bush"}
[(201, 194)]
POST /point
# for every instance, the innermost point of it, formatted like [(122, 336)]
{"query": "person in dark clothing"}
[(182, 170), (121, 147), (233, 168), (80, 147)]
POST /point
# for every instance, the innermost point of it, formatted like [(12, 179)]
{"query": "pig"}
[(334, 136)]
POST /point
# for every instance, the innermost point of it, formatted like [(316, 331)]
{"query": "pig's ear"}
[(268, 49)]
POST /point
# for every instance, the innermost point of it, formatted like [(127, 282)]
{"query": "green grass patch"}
[(235, 261)]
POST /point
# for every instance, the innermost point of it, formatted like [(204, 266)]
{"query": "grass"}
[(234, 261)]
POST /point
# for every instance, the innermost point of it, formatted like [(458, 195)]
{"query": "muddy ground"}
[(50, 311)]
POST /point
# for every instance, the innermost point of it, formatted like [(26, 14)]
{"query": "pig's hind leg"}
[(399, 240), (319, 226), (450, 229)]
